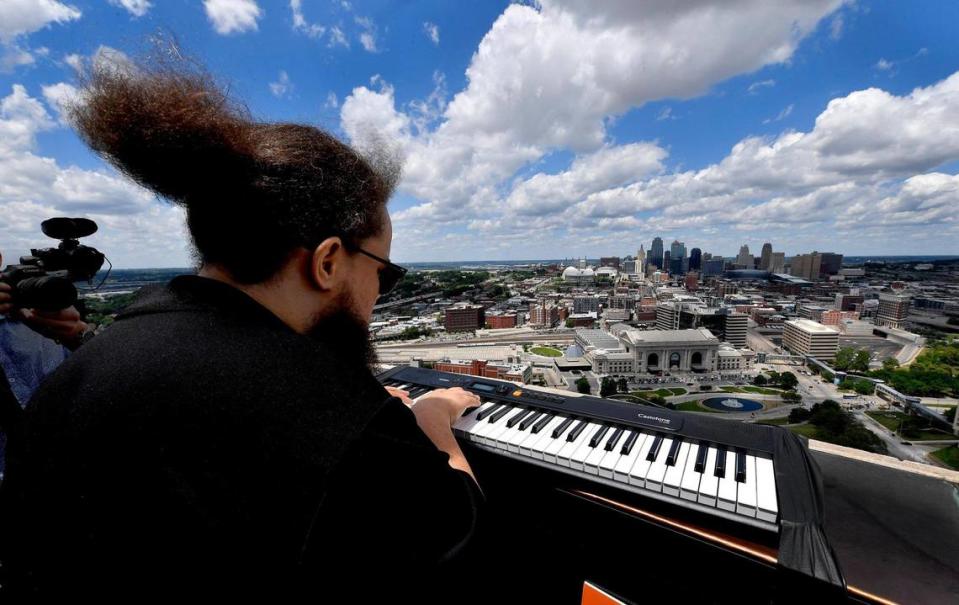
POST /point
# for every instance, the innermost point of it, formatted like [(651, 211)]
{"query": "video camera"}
[(45, 279)]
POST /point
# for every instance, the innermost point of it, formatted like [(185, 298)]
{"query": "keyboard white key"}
[(482, 430), (637, 475), (709, 482), (558, 443), (598, 454), (607, 466), (499, 427), (578, 459), (520, 435), (625, 463), (541, 440), (564, 455), (503, 439), (727, 485), (674, 474), (689, 486), (767, 507), (466, 423), (746, 490), (657, 470)]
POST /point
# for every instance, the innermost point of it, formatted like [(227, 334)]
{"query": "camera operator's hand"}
[(64, 326), (6, 299)]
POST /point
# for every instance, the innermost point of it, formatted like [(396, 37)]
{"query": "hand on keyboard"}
[(453, 401), (403, 395)]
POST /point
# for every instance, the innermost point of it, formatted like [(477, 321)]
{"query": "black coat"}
[(199, 445)]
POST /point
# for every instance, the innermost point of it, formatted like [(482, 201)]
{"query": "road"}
[(532, 338)]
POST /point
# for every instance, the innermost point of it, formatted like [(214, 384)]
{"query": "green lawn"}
[(891, 420), (546, 351), (676, 391), (761, 390), (775, 421), (693, 406), (949, 455), (806, 430)]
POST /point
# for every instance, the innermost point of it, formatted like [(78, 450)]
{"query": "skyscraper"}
[(665, 261), (744, 259), (656, 252), (767, 257), (641, 262), (695, 259)]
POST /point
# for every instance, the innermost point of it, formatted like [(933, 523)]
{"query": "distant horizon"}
[(902, 257)]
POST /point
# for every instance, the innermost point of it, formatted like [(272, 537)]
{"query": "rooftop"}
[(807, 325), (700, 335)]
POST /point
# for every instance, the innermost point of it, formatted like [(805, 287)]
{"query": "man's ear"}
[(327, 264)]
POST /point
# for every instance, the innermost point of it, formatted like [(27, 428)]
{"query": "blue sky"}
[(536, 130)]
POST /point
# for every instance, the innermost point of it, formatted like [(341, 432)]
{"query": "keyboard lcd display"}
[(486, 388)]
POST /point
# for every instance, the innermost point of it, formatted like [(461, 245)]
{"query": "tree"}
[(844, 358), (950, 415), (890, 363), (582, 385), (569, 323), (773, 377), (657, 400), (798, 415), (607, 387), (759, 380), (622, 385), (863, 387), (860, 362), (788, 380), (792, 397)]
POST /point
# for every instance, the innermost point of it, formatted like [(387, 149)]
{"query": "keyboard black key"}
[(562, 427), (701, 457), (542, 422), (720, 469), (573, 434), (673, 451), (496, 416), (469, 411), (617, 434), (598, 436), (490, 410), (654, 450), (514, 420), (531, 419), (740, 466), (417, 391), (629, 443)]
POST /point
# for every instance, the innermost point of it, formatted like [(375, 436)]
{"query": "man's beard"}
[(344, 330)]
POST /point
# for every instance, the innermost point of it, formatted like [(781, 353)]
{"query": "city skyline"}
[(834, 124)]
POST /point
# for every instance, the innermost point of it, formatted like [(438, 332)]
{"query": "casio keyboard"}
[(751, 489)]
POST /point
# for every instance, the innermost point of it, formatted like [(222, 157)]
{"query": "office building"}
[(656, 252), (464, 318), (585, 304), (695, 259), (516, 372), (893, 309), (543, 315), (766, 259), (830, 263), (807, 337), (806, 266)]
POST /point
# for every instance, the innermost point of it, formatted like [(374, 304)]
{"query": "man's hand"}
[(403, 395), (6, 299), (64, 326), (437, 412), (452, 401)]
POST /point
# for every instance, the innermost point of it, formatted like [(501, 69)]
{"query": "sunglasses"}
[(389, 275)]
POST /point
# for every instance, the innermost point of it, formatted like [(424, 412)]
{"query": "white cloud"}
[(137, 8), (232, 16), (283, 87), (337, 38), (549, 78), (432, 32), (666, 113), (75, 61), (785, 113), (368, 35), (313, 30), (59, 95), (332, 102), (755, 87), (884, 65), (34, 187), (836, 26), (20, 18)]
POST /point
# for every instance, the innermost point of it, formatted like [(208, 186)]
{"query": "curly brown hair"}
[(253, 191)]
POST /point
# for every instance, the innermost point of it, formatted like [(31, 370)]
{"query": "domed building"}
[(579, 276)]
